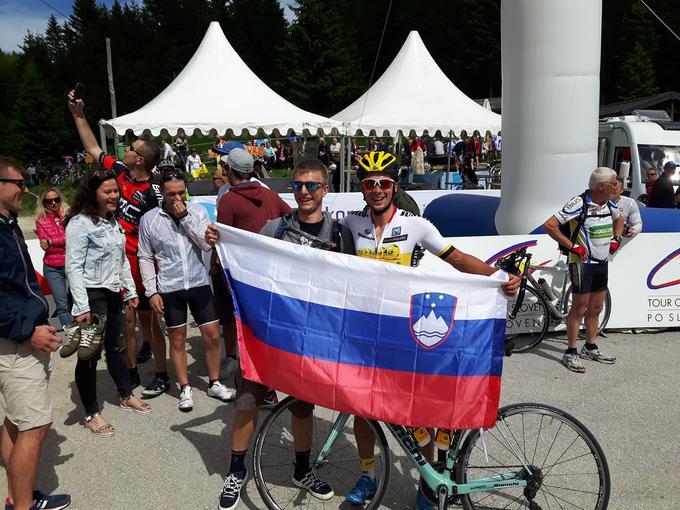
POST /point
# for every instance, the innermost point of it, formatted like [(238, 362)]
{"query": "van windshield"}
[(654, 156)]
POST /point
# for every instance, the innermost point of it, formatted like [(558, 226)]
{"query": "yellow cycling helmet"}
[(377, 163)]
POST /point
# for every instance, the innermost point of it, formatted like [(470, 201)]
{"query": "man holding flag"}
[(384, 232), (308, 225)]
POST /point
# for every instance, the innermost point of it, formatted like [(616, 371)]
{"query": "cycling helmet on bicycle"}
[(376, 163)]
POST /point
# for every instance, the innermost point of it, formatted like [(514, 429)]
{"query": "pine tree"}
[(324, 71), (637, 75), (37, 125)]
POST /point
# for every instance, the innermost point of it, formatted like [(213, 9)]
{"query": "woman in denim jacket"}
[(98, 272), (49, 225)]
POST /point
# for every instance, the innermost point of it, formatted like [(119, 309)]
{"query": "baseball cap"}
[(228, 147), (240, 160), (670, 164)]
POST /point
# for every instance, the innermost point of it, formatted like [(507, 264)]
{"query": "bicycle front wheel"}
[(567, 466), (532, 321), (275, 453)]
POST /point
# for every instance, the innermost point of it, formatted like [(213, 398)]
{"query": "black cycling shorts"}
[(200, 301), (587, 278)]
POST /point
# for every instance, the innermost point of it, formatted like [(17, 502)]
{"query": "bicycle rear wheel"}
[(568, 467), (604, 314), (532, 321), (275, 453)]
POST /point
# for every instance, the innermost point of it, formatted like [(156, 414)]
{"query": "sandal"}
[(132, 403), (98, 425)]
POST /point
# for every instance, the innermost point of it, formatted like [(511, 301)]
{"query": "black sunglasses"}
[(21, 183), (51, 201), (311, 186), (169, 176)]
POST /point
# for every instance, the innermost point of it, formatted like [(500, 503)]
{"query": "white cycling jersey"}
[(403, 239), (596, 232)]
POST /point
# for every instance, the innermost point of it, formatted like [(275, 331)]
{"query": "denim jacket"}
[(95, 258)]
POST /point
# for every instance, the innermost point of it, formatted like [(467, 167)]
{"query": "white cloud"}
[(13, 28)]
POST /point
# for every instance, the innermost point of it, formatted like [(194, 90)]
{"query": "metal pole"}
[(449, 147), (343, 143), (102, 137), (348, 166), (112, 92)]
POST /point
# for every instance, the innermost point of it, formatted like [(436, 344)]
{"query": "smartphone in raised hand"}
[(78, 91)]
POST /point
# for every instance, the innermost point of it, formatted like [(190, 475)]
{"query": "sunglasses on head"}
[(51, 201), (21, 183), (371, 183), (169, 176), (311, 186)]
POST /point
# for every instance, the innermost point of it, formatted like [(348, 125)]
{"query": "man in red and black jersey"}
[(139, 193)]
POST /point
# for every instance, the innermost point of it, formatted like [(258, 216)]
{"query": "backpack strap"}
[(281, 227)]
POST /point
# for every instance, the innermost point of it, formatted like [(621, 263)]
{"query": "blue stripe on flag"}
[(474, 347)]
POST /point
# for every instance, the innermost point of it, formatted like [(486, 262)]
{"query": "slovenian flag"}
[(397, 344)]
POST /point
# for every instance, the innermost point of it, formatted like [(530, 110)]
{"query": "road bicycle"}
[(536, 457), (540, 306)]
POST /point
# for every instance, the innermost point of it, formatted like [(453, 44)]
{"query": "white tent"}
[(414, 94), (217, 90)]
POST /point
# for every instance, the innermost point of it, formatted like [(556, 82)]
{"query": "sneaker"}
[(144, 353), (364, 489), (43, 502), (270, 400), (186, 399), (91, 336), (422, 503), (596, 355), (231, 492), (221, 392), (310, 481), (573, 363), (71, 340), (157, 386)]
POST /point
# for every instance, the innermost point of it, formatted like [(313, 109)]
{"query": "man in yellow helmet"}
[(381, 229)]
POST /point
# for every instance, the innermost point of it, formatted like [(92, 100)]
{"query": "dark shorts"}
[(200, 302), (587, 278), (250, 395), (223, 302), (144, 304)]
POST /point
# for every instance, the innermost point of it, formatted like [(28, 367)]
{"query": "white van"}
[(633, 143)]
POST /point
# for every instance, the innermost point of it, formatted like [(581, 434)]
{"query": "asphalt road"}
[(172, 460)]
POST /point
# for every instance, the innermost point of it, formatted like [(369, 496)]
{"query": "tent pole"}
[(348, 165), (448, 159), (343, 143)]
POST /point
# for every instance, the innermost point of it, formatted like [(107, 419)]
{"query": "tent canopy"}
[(218, 91), (415, 95)]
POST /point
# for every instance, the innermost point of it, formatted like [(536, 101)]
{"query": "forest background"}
[(321, 59)]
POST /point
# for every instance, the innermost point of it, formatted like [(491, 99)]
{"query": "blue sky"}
[(19, 16)]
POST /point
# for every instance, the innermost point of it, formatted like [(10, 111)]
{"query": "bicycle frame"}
[(438, 482)]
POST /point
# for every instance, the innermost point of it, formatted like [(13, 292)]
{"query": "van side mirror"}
[(624, 170)]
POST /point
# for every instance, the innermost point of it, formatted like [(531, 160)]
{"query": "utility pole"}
[(112, 92)]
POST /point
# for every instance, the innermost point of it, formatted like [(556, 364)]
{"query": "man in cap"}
[(249, 206), (662, 193)]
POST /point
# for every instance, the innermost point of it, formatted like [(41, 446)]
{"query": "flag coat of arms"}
[(397, 344)]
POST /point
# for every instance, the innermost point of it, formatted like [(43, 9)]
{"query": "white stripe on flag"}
[(351, 282)]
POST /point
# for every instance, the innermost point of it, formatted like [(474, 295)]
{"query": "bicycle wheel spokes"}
[(568, 468), (531, 324), (274, 458)]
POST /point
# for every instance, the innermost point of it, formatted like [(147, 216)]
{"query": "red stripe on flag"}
[(406, 398), (43, 284)]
